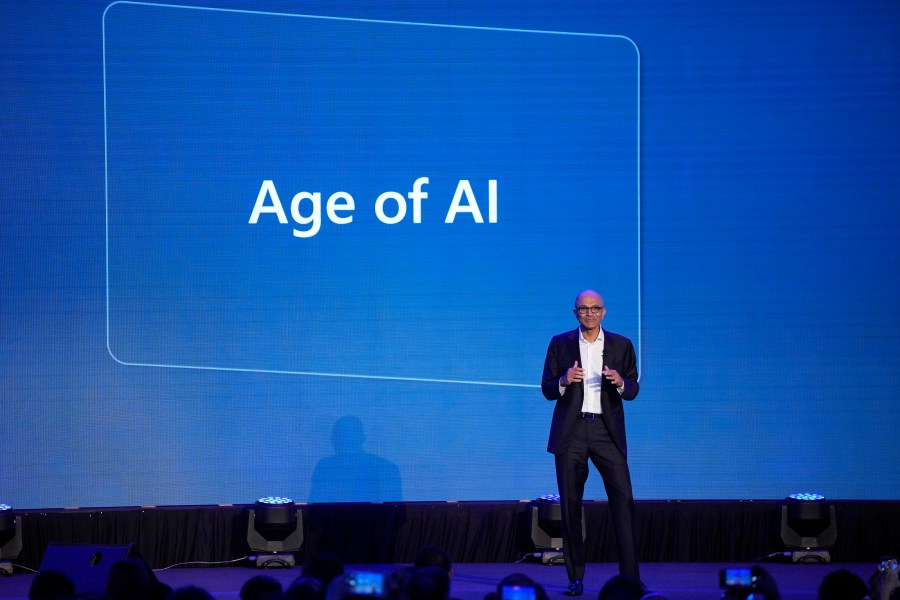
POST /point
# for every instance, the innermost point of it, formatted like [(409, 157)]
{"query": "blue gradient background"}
[(770, 142)]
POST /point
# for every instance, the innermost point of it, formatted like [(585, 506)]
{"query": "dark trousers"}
[(592, 442)]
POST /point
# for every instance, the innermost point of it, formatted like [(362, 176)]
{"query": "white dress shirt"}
[(592, 363)]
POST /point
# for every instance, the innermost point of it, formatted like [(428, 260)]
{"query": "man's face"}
[(589, 310)]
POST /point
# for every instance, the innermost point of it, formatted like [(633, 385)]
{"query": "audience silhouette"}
[(261, 587), (429, 578), (51, 585)]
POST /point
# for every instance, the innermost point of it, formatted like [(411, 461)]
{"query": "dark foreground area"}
[(471, 581)]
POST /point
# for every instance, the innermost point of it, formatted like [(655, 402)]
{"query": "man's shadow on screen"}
[(351, 474)]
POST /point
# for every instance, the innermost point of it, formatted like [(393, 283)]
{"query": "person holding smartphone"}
[(589, 372)]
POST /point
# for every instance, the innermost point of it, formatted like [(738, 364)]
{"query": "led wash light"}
[(808, 527), (274, 501), (275, 531), (806, 497), (10, 538), (546, 528)]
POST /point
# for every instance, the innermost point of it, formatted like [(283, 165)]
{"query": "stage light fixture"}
[(275, 531), (546, 528), (10, 538), (808, 527)]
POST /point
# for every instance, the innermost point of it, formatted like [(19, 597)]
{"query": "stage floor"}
[(471, 581)]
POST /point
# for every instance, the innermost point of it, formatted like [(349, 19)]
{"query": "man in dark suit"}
[(589, 371)]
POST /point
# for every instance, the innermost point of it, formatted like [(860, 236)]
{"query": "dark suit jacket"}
[(563, 351)]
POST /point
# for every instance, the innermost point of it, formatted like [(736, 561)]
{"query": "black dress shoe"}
[(576, 588)]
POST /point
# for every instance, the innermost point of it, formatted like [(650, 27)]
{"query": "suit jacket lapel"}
[(575, 350)]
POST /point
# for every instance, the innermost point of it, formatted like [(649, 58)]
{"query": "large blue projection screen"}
[(767, 323), (357, 198)]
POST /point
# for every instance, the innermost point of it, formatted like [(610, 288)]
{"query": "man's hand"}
[(613, 376), (573, 375)]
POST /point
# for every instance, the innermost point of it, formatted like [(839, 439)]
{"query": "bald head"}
[(589, 311), (580, 298)]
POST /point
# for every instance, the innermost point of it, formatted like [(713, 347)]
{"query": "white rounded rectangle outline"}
[(368, 21)]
